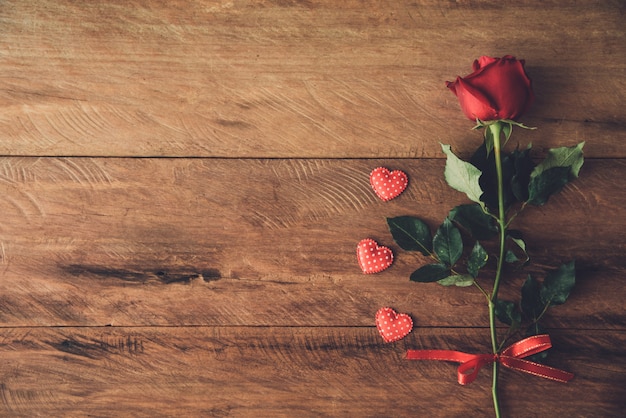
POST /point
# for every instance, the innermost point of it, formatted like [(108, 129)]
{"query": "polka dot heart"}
[(388, 184), (373, 258), (393, 326)]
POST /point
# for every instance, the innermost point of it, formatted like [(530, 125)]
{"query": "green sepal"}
[(447, 243), (518, 124), (460, 280), (477, 259), (507, 313), (411, 234), (481, 124), (462, 176), (430, 273), (558, 284), (488, 140), (473, 218), (507, 129)]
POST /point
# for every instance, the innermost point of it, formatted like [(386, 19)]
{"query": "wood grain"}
[(183, 184), (296, 78), (285, 372), (111, 241)]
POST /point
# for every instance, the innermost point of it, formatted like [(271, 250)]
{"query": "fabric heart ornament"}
[(388, 184), (373, 258), (393, 326)]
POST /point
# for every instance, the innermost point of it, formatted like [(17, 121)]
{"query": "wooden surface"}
[(183, 185)]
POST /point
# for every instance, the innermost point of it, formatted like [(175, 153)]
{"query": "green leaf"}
[(488, 181), (516, 237), (462, 176), (557, 284), (430, 273), (523, 165), (447, 243), (507, 314), (474, 219), (559, 167), (411, 234), (477, 259), (531, 303), (461, 280), (571, 157), (510, 257), (549, 182), (536, 329)]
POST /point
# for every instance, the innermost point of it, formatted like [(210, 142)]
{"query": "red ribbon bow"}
[(512, 357)]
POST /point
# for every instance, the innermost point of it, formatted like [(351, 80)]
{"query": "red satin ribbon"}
[(512, 357)]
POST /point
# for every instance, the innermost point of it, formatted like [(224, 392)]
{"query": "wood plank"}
[(296, 79), (285, 372), (223, 281), (268, 242)]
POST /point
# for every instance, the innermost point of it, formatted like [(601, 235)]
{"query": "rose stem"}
[(496, 129)]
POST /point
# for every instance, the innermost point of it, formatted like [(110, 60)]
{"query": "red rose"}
[(497, 89)]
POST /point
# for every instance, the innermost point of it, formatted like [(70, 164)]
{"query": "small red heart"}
[(373, 258), (393, 326), (388, 184)]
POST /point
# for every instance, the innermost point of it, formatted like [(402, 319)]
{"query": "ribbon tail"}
[(536, 369), (470, 364), (439, 355)]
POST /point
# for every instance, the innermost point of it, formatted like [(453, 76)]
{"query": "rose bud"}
[(497, 89)]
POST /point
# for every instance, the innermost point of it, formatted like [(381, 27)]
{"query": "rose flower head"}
[(499, 88)]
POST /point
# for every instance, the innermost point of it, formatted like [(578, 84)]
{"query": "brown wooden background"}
[(183, 184)]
